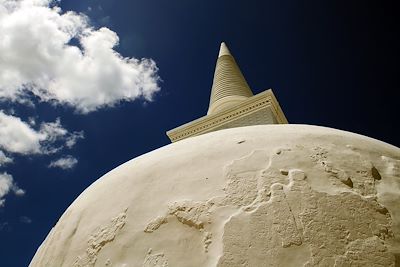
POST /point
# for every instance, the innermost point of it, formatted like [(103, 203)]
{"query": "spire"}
[(229, 86), (232, 104)]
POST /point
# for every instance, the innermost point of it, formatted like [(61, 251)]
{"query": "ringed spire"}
[(229, 85)]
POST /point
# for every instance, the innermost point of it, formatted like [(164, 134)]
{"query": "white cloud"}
[(67, 162), (19, 192), (73, 138), (32, 121), (17, 136), (4, 159), (36, 57), (8, 185)]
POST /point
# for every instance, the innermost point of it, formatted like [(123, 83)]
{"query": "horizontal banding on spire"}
[(228, 84)]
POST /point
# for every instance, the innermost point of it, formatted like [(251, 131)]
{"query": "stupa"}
[(239, 187)]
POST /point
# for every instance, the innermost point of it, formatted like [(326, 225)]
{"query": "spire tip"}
[(223, 51)]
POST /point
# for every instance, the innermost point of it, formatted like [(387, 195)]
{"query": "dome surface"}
[(270, 195)]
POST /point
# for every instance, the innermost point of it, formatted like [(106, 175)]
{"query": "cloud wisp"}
[(65, 163), (8, 185), (37, 56), (4, 159), (25, 220)]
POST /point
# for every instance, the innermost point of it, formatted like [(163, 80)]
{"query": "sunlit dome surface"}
[(272, 195)]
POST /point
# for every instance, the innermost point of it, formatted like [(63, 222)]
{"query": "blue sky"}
[(73, 106)]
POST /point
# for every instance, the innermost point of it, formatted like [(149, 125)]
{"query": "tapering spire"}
[(229, 86), (232, 103)]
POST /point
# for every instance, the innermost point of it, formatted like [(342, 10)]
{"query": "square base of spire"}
[(260, 109)]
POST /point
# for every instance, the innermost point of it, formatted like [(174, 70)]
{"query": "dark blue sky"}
[(330, 63)]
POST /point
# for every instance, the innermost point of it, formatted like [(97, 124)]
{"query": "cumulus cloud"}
[(67, 162), (37, 57), (17, 136), (8, 185)]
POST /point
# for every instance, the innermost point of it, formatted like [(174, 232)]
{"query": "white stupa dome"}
[(270, 195)]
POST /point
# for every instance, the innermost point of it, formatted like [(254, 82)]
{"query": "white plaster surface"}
[(270, 195)]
